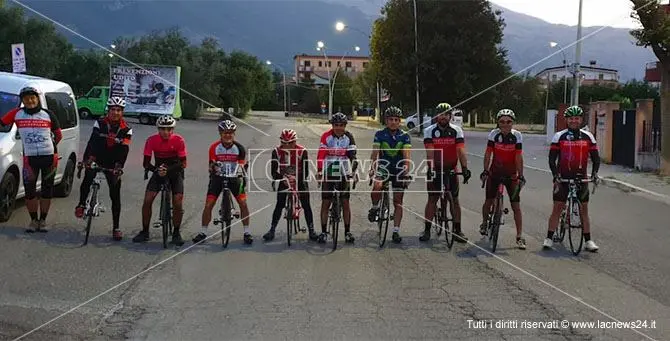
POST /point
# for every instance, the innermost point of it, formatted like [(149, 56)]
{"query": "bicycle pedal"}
[(158, 225), (217, 221), (506, 210), (236, 215)]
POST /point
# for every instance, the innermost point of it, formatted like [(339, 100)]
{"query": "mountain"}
[(279, 29)]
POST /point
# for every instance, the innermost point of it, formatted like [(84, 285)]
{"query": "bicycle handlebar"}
[(94, 166)]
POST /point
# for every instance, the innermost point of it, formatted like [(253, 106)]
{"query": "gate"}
[(623, 138)]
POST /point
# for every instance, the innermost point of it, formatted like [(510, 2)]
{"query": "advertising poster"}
[(147, 89)]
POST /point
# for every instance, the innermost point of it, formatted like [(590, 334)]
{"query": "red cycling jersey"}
[(445, 142), (165, 151), (505, 148), (574, 149)]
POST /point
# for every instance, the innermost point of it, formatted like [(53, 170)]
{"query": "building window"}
[(338, 63), (308, 63), (330, 63), (554, 77), (320, 63), (347, 64), (601, 76)]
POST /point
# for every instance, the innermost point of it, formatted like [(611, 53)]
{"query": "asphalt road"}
[(268, 291)]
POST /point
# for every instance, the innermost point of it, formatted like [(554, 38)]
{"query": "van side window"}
[(62, 105)]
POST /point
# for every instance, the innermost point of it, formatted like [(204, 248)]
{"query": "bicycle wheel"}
[(289, 219), (225, 216), (447, 223), (89, 219), (383, 221), (495, 223), (165, 218), (335, 219), (572, 230), (562, 223)]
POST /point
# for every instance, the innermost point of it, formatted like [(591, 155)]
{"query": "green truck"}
[(150, 91)]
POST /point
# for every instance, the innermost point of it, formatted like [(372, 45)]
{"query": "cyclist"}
[(568, 159), (445, 147), (169, 151), (108, 146), (290, 159), (40, 134), (505, 145), (226, 156), (336, 152), (390, 159)]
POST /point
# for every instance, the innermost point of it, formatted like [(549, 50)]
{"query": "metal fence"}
[(651, 137)]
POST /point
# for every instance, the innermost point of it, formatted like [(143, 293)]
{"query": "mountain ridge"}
[(278, 29)]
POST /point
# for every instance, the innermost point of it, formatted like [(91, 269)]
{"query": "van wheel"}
[(84, 114), (65, 187), (145, 119), (410, 125), (7, 196)]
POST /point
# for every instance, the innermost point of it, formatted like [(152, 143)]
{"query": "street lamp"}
[(284, 82), (340, 26), (320, 46), (578, 54), (565, 64)]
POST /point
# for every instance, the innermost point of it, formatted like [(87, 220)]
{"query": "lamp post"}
[(416, 55), (320, 46), (565, 65), (284, 82), (578, 54), (340, 26)]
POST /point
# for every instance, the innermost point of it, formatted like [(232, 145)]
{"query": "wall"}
[(601, 117)]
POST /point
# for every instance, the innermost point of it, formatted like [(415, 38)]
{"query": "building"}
[(316, 67), (652, 73), (590, 75)]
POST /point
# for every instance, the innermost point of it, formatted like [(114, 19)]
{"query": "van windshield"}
[(7, 103)]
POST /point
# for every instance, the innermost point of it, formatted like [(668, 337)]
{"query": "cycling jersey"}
[(335, 151), (229, 157), (40, 132), (168, 151), (391, 145), (505, 148), (109, 142), (292, 161), (574, 149), (445, 141)]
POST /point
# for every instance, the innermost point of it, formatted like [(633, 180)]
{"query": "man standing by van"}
[(40, 133)]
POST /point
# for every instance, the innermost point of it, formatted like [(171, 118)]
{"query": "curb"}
[(613, 183)]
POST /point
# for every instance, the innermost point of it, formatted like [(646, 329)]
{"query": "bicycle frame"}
[(165, 213), (335, 211), (227, 209), (93, 206), (568, 210), (495, 215), (446, 199)]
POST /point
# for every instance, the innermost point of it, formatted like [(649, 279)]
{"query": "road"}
[(268, 291)]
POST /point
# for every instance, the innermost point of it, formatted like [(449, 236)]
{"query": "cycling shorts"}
[(561, 190), (330, 183), (236, 186), (382, 174), (33, 166), (434, 186), (513, 187), (176, 181)]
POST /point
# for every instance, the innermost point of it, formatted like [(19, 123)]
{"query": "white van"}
[(58, 98)]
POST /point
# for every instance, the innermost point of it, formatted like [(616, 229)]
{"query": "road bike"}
[(383, 217), (227, 212), (495, 216), (165, 213), (93, 205), (336, 210), (570, 216), (292, 208), (443, 222)]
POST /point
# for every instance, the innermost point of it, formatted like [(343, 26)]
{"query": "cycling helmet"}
[(574, 111), (166, 121), (393, 112), (506, 112), (227, 125), (288, 135), (116, 102), (338, 117), (29, 90), (443, 108)]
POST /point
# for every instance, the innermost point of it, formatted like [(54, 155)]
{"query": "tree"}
[(655, 33), (459, 51), (365, 86), (524, 97)]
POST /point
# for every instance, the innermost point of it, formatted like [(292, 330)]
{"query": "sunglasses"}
[(339, 125)]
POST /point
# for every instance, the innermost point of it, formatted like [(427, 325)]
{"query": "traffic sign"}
[(18, 58)]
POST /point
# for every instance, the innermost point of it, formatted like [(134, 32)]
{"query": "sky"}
[(615, 13)]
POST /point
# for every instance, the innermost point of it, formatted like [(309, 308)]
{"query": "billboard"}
[(147, 88)]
